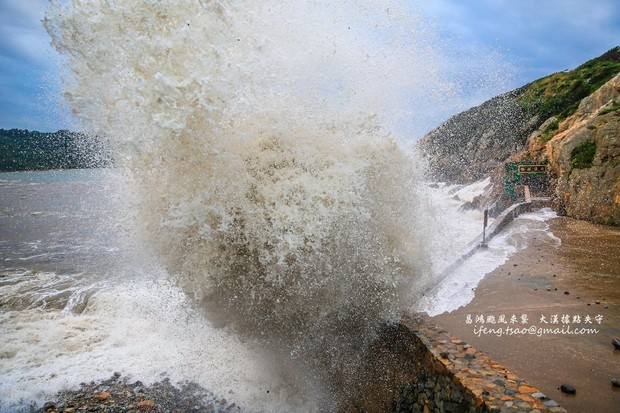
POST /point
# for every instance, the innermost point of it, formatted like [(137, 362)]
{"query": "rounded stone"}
[(49, 406), (568, 389)]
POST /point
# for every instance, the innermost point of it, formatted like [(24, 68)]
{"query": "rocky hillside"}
[(584, 157), (471, 144), (568, 120)]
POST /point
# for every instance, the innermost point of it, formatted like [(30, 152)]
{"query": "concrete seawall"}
[(500, 222), (503, 219), (455, 377)]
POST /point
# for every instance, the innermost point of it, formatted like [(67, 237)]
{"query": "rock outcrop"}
[(569, 120), (584, 157)]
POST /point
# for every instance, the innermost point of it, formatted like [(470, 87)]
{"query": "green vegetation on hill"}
[(523, 125), (583, 155), (472, 144), (559, 94), (22, 150)]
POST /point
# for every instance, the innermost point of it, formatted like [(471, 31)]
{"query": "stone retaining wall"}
[(453, 377)]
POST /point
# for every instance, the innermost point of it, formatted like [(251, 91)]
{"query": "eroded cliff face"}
[(584, 158), (569, 120), (583, 152)]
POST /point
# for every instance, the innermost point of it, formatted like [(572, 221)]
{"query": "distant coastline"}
[(24, 150)]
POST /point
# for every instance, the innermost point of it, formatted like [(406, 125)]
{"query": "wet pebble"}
[(49, 406), (550, 403), (568, 389), (104, 395), (120, 396), (146, 405)]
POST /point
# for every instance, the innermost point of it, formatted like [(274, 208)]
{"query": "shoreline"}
[(118, 394), (533, 281), (580, 279)]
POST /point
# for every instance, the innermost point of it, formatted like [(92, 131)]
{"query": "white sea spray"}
[(260, 142), (266, 176)]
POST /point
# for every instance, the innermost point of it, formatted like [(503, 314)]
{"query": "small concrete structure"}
[(500, 222)]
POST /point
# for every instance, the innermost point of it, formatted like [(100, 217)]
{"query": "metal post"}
[(484, 228)]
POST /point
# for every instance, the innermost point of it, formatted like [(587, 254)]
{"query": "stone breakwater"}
[(452, 376), (119, 395)]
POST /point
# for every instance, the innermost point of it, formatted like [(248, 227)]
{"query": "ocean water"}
[(267, 216), (80, 300), (261, 167), (458, 227)]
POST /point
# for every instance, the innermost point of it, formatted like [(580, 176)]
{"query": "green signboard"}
[(533, 174)]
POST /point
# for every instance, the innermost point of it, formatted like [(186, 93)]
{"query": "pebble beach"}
[(121, 395)]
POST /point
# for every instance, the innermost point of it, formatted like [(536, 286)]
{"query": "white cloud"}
[(539, 37), (22, 36)]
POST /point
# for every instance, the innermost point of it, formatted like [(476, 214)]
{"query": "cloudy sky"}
[(525, 40)]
